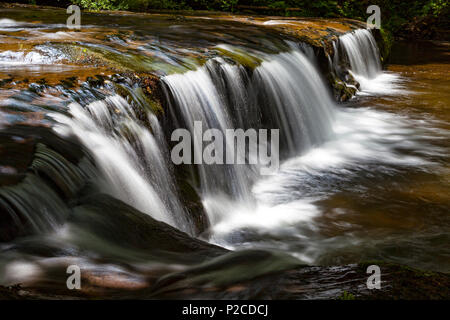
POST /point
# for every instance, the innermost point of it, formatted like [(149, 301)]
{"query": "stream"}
[(83, 151)]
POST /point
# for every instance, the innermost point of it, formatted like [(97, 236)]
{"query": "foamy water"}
[(286, 203), (41, 55)]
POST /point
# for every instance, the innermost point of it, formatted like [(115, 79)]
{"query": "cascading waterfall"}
[(285, 92), (89, 175), (361, 50), (291, 89), (197, 97), (132, 163)]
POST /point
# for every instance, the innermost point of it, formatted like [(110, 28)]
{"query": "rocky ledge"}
[(115, 48)]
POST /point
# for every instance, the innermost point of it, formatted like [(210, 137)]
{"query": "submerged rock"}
[(117, 222), (272, 277)]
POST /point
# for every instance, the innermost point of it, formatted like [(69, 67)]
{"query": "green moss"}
[(388, 41), (346, 296), (243, 58)]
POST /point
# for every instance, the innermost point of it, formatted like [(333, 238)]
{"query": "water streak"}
[(132, 165), (361, 50)]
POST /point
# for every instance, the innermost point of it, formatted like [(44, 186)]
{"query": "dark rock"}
[(22, 148), (264, 275), (305, 282), (193, 204), (120, 223)]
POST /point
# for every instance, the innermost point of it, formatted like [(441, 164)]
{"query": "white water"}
[(286, 203), (42, 55), (321, 141), (199, 98), (10, 25), (324, 142), (385, 83), (298, 99), (139, 176), (360, 49), (286, 89)]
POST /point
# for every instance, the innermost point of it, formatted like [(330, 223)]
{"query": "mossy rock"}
[(384, 41), (241, 57), (115, 221)]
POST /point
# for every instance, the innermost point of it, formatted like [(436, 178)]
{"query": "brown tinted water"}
[(375, 210), (401, 215)]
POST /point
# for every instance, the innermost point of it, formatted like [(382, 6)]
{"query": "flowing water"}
[(352, 196), (366, 179)]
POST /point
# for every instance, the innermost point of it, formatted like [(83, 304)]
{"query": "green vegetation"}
[(347, 296)]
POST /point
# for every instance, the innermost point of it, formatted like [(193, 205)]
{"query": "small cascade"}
[(297, 100), (284, 92), (201, 95), (87, 162), (42, 55), (361, 50), (132, 165)]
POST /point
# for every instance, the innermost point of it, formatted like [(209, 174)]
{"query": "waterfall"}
[(200, 96), (281, 91), (132, 164), (284, 92), (299, 104), (361, 50)]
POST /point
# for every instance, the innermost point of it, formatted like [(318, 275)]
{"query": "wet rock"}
[(384, 41), (193, 204), (120, 223), (343, 90), (303, 282), (264, 275)]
